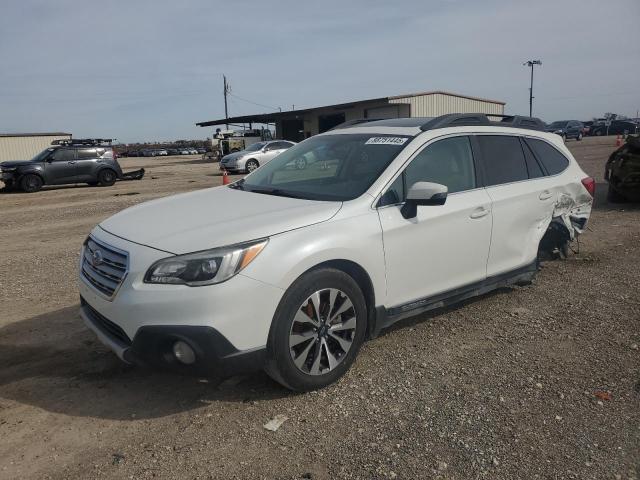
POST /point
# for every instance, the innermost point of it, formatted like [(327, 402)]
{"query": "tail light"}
[(590, 184)]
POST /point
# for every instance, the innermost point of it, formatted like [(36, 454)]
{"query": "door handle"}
[(71, 163), (546, 195), (480, 212)]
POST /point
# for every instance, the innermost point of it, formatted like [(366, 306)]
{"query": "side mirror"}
[(423, 193)]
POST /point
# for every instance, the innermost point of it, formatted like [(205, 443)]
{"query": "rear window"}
[(503, 159), (553, 161), (532, 164)]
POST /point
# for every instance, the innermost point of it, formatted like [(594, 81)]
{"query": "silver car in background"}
[(254, 155)]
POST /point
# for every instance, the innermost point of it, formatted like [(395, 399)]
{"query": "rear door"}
[(523, 201), (87, 164), (444, 246), (272, 150), (60, 167)]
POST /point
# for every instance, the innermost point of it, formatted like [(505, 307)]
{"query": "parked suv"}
[(567, 129), (617, 127), (622, 172), (254, 155), (91, 161), (291, 269)]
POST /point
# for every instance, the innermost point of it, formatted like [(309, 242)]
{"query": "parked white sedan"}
[(254, 156)]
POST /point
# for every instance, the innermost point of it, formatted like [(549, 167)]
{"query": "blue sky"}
[(148, 70)]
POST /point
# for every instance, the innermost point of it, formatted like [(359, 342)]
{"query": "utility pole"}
[(531, 63), (226, 91)]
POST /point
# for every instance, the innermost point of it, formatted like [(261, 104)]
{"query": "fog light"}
[(184, 353)]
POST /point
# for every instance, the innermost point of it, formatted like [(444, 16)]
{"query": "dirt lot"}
[(501, 387)]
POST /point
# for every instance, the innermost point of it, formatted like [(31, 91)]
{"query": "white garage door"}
[(389, 111)]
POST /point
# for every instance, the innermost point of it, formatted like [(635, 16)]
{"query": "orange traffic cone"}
[(225, 178), (618, 141)]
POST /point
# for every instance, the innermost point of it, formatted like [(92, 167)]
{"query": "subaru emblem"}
[(96, 258)]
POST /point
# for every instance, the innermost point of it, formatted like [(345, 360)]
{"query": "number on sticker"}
[(386, 141)]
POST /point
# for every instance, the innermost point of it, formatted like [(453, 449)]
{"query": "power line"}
[(252, 102)]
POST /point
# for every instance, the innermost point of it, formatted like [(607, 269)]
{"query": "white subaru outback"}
[(290, 269)]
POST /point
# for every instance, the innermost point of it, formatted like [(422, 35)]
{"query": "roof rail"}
[(351, 123), (82, 141), (477, 119)]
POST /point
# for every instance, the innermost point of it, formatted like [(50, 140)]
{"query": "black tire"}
[(614, 196), (598, 133), (31, 183), (280, 364), (107, 177), (579, 137), (251, 165)]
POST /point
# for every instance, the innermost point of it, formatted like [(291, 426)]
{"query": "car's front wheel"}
[(579, 137), (31, 183), (317, 330), (251, 165)]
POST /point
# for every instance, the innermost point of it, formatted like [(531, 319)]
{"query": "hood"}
[(15, 163), (214, 217)]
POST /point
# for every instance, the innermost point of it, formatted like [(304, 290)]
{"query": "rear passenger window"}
[(554, 162), (447, 162), (503, 159), (86, 153), (532, 164)]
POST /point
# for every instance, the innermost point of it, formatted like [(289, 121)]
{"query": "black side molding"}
[(387, 317)]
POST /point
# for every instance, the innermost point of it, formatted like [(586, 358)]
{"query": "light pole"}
[(531, 63)]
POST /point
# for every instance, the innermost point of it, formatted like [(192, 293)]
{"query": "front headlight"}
[(206, 267)]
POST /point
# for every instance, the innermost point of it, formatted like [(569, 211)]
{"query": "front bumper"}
[(227, 324), (152, 346)]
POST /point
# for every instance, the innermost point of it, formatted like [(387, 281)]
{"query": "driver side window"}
[(447, 162)]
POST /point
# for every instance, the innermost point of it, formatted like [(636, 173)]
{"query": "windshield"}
[(255, 147), (558, 124), (326, 167), (42, 155)]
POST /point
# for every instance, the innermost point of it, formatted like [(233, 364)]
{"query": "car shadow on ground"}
[(600, 201), (48, 188), (53, 362)]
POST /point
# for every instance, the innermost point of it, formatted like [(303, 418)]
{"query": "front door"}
[(60, 167), (445, 246)]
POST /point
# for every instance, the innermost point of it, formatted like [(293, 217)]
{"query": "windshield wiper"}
[(277, 192), (237, 185)]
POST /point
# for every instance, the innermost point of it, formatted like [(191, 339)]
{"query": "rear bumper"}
[(152, 347)]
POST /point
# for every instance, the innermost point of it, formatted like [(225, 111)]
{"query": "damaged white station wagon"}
[(290, 269)]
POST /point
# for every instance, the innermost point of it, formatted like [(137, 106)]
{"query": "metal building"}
[(296, 125), (23, 146)]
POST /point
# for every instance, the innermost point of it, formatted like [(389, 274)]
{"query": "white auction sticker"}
[(386, 141)]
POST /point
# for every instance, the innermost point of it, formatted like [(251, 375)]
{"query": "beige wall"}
[(430, 105), (24, 148), (437, 104)]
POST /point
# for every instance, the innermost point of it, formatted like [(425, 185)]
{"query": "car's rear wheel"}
[(579, 137), (31, 183), (106, 177), (598, 133), (317, 330), (251, 165)]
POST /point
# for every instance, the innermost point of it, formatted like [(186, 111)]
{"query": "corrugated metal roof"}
[(273, 116), (44, 134)]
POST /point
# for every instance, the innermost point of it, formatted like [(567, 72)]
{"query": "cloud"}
[(142, 70)]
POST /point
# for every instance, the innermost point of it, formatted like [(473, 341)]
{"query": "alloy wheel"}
[(322, 332)]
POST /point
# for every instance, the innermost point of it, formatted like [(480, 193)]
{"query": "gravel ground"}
[(532, 382)]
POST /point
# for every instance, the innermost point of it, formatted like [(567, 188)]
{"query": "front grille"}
[(104, 267), (105, 325)]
